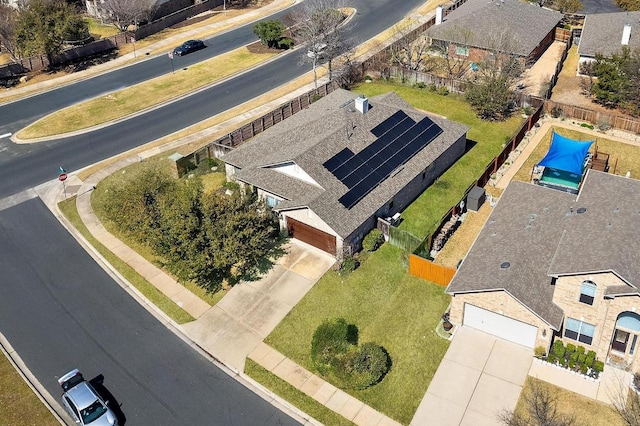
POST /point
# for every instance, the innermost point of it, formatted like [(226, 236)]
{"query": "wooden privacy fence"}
[(237, 137), (425, 269), (598, 118)]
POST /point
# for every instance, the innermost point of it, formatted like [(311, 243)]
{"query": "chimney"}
[(626, 34), (362, 104), (439, 14)]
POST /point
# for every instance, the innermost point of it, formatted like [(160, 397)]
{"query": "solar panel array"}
[(399, 138)]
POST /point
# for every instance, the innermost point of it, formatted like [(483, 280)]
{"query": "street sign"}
[(62, 177)]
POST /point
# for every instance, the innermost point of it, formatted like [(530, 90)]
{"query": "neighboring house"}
[(478, 27), (332, 169), (608, 33), (549, 264)]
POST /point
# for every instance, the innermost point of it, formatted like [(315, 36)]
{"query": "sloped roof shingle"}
[(602, 33)]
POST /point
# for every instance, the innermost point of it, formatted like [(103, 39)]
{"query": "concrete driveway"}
[(251, 310), (479, 377)]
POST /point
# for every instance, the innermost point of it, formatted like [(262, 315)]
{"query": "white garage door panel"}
[(500, 326)]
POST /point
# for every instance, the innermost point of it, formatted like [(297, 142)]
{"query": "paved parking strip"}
[(479, 377)]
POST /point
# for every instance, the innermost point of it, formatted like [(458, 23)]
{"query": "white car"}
[(317, 50), (83, 403)]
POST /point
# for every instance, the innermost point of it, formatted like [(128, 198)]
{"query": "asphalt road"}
[(24, 166), (61, 311)]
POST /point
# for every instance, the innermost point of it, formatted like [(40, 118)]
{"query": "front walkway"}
[(479, 377)]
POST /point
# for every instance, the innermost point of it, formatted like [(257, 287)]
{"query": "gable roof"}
[(602, 33), (541, 234), (312, 136), (487, 20)]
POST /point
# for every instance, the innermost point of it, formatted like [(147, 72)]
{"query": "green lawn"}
[(389, 307), (421, 217)]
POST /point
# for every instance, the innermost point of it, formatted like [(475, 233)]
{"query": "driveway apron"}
[(479, 377)]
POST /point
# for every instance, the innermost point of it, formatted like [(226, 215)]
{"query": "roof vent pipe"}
[(439, 14), (362, 104), (626, 34)]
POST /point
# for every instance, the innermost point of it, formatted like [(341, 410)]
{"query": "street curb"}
[(36, 387)]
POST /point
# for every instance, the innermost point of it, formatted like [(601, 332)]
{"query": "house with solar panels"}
[(331, 170)]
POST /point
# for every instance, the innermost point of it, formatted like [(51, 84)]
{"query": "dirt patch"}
[(259, 47)]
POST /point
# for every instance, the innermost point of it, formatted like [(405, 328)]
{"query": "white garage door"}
[(500, 326)]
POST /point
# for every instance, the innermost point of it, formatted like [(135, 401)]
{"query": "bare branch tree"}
[(453, 47), (410, 51), (626, 401), (7, 30), (123, 13), (541, 406), (317, 26)]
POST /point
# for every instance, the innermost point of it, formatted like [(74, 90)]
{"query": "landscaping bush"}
[(581, 357), (574, 356), (571, 348), (556, 112), (572, 363), (442, 90), (432, 87), (558, 349), (584, 369), (540, 351), (591, 354), (365, 366), (373, 240), (349, 264), (589, 360), (420, 85), (330, 340), (587, 126), (551, 358), (598, 366), (285, 43), (580, 350)]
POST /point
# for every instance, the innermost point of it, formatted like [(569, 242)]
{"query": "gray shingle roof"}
[(539, 232), (479, 23), (312, 136), (602, 33)]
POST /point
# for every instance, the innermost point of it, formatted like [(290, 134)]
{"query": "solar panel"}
[(399, 139), (383, 127), (338, 160)]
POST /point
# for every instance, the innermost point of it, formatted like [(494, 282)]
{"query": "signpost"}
[(171, 57), (62, 176)]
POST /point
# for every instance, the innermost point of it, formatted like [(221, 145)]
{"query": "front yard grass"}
[(19, 406), (587, 411), (626, 155), (389, 307), (487, 140)]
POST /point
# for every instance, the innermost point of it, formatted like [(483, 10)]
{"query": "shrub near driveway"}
[(425, 212), (391, 308)]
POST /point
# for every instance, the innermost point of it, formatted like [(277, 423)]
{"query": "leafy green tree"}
[(42, 27), (618, 82), (269, 32)]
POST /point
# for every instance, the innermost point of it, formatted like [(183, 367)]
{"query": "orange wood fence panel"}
[(425, 269)]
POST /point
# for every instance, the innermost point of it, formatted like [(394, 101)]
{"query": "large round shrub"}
[(329, 342), (364, 366), (373, 240)]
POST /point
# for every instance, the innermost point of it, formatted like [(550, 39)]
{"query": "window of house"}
[(588, 292), (579, 330), (271, 201), (462, 51)]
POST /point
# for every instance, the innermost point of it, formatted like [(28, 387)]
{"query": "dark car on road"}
[(83, 403), (188, 47)]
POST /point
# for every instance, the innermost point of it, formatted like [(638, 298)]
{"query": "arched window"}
[(588, 292)]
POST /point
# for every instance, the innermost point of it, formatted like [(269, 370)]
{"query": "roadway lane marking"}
[(18, 198), (6, 135)]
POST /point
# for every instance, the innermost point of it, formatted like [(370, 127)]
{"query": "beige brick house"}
[(551, 265)]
